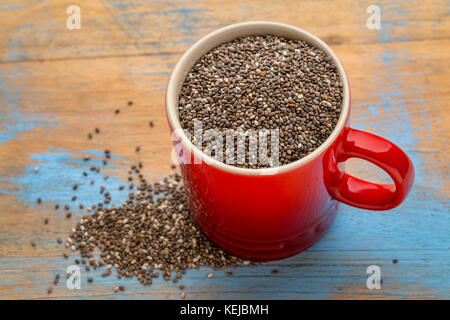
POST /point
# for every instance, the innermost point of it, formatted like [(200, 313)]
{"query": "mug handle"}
[(379, 151)]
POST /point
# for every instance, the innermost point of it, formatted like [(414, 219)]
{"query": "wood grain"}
[(57, 85)]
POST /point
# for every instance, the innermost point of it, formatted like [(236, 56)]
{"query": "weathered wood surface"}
[(56, 85)]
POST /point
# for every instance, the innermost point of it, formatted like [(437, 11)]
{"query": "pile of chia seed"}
[(264, 82), (152, 232)]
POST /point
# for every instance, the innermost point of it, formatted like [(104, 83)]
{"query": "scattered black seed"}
[(81, 206), (68, 215), (89, 135), (117, 111), (39, 200), (394, 261), (151, 124), (56, 206), (90, 280), (65, 255), (173, 166), (33, 244), (274, 271), (145, 233), (46, 221), (86, 158), (106, 273), (66, 207), (140, 237), (75, 187), (229, 273), (97, 130), (130, 103), (264, 82), (85, 174), (105, 162), (56, 280), (74, 198)]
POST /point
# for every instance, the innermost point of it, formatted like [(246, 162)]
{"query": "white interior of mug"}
[(229, 33)]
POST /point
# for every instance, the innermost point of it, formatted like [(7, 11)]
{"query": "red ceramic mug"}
[(273, 213)]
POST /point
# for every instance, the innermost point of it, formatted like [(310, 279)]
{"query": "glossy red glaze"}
[(267, 217), (270, 217), (381, 152), (260, 217)]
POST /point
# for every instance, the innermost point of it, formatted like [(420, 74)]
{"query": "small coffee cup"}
[(272, 213)]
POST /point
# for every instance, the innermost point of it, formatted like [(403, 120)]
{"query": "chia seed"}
[(147, 233), (264, 82)]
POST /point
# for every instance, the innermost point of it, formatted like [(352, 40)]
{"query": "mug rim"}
[(203, 46)]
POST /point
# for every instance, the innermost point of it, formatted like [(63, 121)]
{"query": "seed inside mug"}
[(262, 82)]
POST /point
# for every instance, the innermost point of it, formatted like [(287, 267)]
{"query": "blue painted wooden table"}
[(57, 85)]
